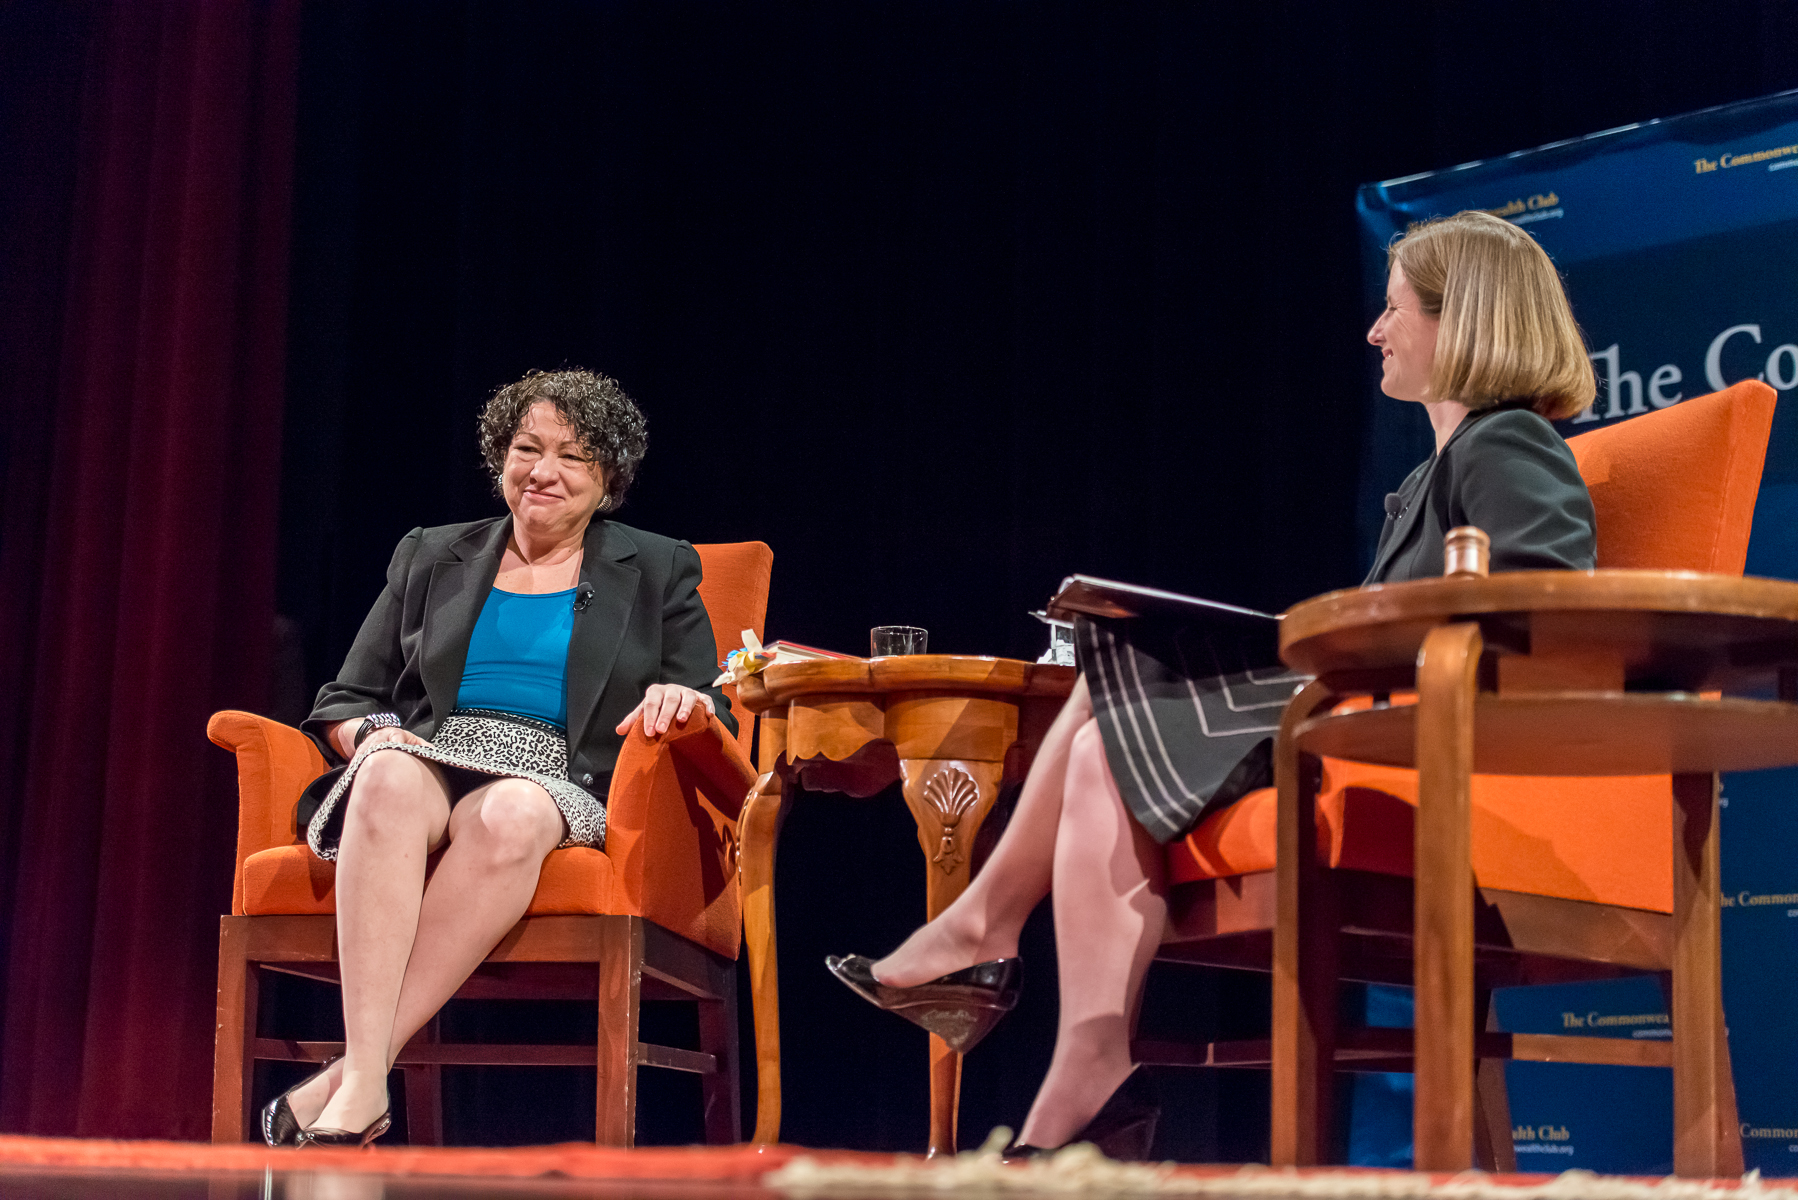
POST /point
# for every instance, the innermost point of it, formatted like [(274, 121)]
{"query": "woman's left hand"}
[(665, 704)]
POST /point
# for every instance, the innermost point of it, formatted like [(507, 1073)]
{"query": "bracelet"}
[(374, 722)]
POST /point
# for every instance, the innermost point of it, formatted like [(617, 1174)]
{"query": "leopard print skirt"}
[(494, 744)]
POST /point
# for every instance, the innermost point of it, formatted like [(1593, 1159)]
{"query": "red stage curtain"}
[(141, 473)]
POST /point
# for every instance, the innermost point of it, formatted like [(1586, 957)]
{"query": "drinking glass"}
[(885, 640), (1061, 645)]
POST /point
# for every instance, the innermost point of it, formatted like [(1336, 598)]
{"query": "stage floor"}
[(77, 1169)]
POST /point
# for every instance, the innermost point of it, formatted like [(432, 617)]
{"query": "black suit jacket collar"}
[(460, 585), (1405, 526), (599, 628)]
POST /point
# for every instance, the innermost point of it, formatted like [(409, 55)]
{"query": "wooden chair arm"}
[(671, 826), (275, 762)]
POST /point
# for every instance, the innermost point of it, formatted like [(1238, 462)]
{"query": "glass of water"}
[(884, 640)]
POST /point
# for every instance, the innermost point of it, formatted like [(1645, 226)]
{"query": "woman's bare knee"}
[(515, 822), (1088, 747), (392, 790), (1090, 785)]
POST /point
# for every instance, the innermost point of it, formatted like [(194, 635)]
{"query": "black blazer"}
[(645, 625), (1506, 470)]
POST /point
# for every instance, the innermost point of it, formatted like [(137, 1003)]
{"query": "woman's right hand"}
[(343, 736)]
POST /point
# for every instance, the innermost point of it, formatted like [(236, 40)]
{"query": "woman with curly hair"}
[(477, 718)]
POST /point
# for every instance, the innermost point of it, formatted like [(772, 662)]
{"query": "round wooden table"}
[(1527, 673), (951, 728)]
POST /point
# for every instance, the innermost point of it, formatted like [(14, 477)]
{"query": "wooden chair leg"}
[(1447, 677), (1305, 955), (1493, 1149), (233, 1068), (1706, 1138), (620, 968), (718, 1037), (758, 827), (424, 1093), (1730, 1161)]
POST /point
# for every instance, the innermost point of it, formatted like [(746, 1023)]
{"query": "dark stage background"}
[(942, 301)]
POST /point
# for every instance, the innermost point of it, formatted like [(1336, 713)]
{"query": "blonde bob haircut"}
[(1506, 330)]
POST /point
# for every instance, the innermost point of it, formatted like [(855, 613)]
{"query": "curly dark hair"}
[(608, 423)]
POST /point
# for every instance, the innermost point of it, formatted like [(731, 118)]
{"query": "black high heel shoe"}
[(961, 1007), (1123, 1129), (344, 1137), (279, 1126)]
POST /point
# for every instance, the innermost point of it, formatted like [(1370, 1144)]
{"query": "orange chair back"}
[(1675, 489), (735, 592)]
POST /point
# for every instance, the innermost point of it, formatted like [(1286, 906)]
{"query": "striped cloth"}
[(1188, 721)]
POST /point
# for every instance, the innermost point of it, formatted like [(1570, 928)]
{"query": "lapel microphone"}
[(1395, 504), (583, 596)]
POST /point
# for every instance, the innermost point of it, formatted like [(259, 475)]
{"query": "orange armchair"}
[(1560, 899), (654, 915)]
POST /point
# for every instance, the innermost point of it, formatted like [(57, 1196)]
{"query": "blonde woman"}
[(1476, 329)]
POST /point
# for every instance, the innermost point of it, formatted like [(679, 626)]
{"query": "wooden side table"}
[(1526, 673), (951, 728)]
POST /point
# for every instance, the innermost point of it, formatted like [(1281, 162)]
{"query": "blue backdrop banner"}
[(1678, 240)]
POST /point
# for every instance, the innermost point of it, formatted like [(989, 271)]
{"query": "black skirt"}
[(1187, 718)]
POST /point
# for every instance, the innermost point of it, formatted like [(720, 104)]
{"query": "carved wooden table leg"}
[(758, 830), (1304, 964), (1447, 678), (949, 799), (1706, 1139)]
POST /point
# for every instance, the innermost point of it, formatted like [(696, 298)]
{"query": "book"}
[(754, 656), (786, 652), (1110, 598), (1253, 635)]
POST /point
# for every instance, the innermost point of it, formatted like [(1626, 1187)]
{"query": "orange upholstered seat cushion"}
[(1607, 840), (292, 879), (288, 879)]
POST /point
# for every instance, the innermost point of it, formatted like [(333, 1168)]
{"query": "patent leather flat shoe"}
[(961, 1007), (279, 1126), (1123, 1129), (343, 1137)]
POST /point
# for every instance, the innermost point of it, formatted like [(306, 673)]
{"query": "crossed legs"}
[(405, 947), (1071, 832)]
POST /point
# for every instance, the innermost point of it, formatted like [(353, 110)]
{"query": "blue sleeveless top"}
[(518, 656)]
